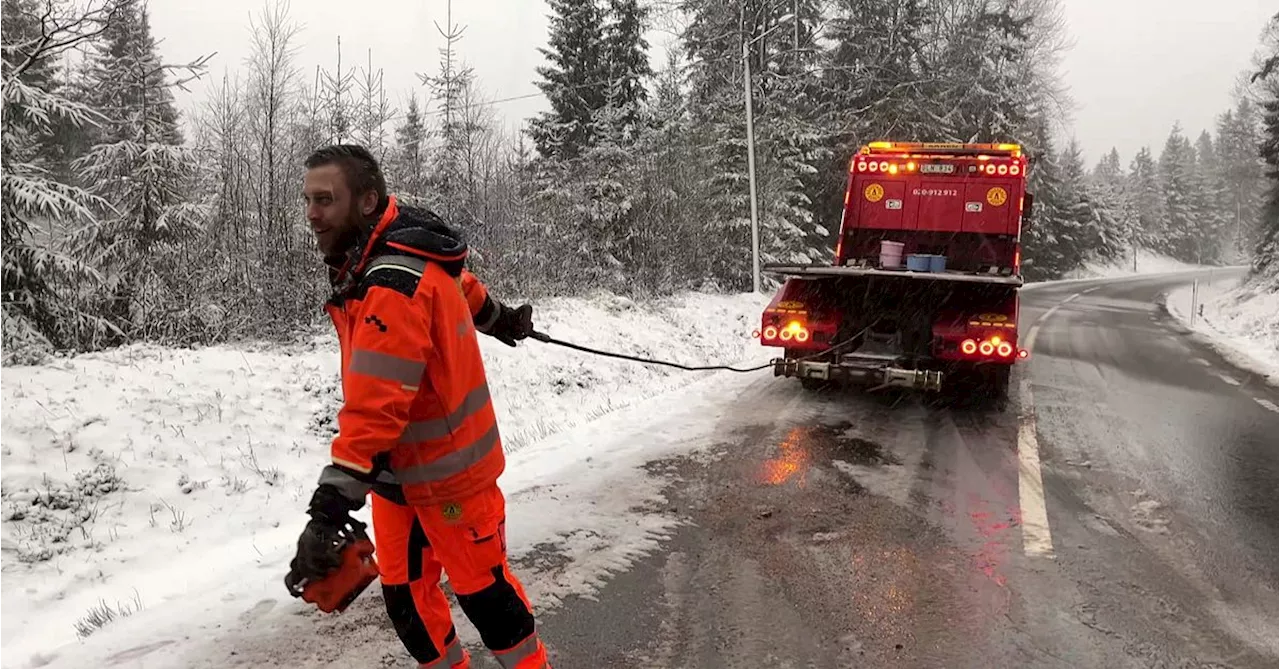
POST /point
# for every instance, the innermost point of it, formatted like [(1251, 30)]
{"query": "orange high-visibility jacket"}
[(413, 381)]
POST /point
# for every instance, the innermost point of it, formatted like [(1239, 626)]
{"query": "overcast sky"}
[(1136, 66)]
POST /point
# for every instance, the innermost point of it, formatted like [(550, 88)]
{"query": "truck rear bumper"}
[(875, 372)]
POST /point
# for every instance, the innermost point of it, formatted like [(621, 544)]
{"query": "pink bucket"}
[(891, 254)]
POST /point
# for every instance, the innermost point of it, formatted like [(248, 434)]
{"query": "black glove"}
[(512, 325), (320, 546)]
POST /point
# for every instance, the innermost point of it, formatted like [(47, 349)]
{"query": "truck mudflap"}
[(875, 371)]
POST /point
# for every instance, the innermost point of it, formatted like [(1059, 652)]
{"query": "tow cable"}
[(548, 339)]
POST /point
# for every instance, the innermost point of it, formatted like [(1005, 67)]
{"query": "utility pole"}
[(751, 169), (751, 139)]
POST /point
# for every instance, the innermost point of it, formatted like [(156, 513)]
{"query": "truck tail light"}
[(793, 331), (994, 346)]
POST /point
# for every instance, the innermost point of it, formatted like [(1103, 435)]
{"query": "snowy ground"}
[(169, 485), (1241, 321), (1147, 263)]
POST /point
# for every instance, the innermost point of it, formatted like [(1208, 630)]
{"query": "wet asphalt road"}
[(838, 529)]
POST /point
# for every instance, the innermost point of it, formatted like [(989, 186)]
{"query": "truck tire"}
[(996, 379)]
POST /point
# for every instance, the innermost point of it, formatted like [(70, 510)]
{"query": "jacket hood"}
[(414, 231)]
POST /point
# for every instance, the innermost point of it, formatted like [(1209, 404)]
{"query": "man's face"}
[(335, 215)]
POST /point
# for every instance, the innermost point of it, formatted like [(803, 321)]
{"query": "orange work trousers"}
[(467, 541)]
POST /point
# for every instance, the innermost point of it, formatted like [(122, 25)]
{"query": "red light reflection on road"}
[(793, 462)]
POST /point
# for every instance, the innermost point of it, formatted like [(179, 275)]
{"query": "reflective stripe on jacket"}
[(413, 381)]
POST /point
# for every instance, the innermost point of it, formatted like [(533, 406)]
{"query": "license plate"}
[(937, 168)]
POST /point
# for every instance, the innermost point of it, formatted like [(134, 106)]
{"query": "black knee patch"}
[(409, 626), (417, 544), (498, 614)]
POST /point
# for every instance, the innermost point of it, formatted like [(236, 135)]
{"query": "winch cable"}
[(548, 339)]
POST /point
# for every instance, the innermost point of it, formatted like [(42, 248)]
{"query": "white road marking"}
[(1031, 335), (1228, 379), (1270, 406), (1035, 327), (1036, 538)]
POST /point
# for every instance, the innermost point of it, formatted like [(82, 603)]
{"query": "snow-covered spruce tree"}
[(588, 166), (1146, 200), (605, 173), (1267, 256), (1181, 237), (38, 213), (64, 137), (1240, 168), (1047, 232), (406, 166), (1213, 202), (625, 55), (1266, 83), (872, 87), (987, 86), (139, 164), (791, 140), (712, 45), (575, 82), (1093, 221), (669, 206), (992, 67), (1109, 190), (789, 147)]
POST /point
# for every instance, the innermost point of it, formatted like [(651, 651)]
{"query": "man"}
[(417, 427)]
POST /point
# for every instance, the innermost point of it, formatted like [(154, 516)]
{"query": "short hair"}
[(357, 165)]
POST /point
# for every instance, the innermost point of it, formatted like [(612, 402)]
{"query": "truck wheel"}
[(996, 381)]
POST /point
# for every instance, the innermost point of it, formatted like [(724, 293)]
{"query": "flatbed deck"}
[(950, 275)]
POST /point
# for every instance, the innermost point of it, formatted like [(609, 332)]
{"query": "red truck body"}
[(925, 275)]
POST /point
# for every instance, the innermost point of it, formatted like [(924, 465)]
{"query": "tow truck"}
[(923, 287)]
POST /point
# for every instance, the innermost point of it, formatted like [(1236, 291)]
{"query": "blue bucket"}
[(917, 262), (937, 263)]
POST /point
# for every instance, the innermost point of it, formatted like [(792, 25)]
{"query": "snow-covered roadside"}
[(174, 481), (1149, 264), (1240, 320)]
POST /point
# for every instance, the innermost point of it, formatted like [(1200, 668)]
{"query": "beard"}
[(340, 239)]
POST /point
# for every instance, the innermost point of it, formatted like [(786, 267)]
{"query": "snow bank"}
[(170, 480), (1241, 320), (1148, 262)]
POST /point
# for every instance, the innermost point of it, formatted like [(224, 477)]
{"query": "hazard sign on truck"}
[(923, 287)]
